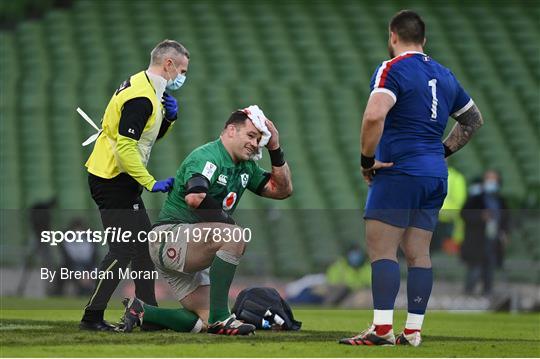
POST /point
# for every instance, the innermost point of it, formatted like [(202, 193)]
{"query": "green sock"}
[(221, 277), (179, 320)]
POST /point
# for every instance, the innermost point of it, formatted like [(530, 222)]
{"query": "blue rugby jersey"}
[(425, 94)]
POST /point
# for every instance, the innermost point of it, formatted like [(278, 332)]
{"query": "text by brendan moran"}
[(64, 273)]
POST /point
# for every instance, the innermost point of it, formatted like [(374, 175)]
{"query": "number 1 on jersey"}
[(433, 84)]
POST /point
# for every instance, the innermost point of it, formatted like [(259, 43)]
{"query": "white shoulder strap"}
[(92, 138)]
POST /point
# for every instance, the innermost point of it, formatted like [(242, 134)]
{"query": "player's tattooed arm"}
[(279, 186), (467, 124)]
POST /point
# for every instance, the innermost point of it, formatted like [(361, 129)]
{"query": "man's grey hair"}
[(167, 49)]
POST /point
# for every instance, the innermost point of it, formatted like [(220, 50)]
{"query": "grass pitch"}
[(53, 332)]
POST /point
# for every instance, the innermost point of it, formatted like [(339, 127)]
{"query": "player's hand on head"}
[(368, 173), (164, 185), (273, 143), (171, 106)]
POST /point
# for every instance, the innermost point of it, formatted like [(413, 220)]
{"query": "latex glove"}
[(171, 106), (163, 186)]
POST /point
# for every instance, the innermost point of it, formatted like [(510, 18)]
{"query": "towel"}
[(258, 119)]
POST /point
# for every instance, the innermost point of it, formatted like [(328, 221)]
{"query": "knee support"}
[(229, 257)]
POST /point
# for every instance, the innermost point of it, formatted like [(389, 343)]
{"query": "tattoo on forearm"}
[(280, 185), (467, 124)]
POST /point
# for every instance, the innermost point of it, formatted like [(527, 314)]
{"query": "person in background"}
[(486, 227), (476, 187), (78, 256), (349, 273), (351, 270), (40, 220), (449, 231)]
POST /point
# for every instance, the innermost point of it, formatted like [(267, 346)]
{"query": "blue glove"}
[(163, 186), (171, 106)]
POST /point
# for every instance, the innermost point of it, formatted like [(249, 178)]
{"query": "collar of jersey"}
[(410, 52)]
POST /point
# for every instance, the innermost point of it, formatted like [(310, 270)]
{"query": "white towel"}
[(258, 118)]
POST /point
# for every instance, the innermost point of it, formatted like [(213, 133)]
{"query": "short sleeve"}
[(196, 164), (258, 178), (462, 101), (384, 80)]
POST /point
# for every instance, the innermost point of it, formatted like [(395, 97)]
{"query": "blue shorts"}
[(406, 201)]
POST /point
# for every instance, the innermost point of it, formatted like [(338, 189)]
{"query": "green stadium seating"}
[(307, 65)]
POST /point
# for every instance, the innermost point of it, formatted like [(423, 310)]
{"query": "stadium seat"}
[(307, 65)]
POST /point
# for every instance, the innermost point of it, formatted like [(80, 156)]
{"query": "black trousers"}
[(121, 206)]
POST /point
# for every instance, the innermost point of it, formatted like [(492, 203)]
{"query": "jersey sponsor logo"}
[(222, 179), (209, 169), (244, 177), (229, 201)]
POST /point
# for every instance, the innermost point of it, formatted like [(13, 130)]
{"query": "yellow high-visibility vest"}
[(113, 153)]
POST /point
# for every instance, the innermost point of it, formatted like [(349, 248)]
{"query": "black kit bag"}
[(264, 308)]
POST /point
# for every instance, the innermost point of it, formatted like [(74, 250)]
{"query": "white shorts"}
[(169, 257)]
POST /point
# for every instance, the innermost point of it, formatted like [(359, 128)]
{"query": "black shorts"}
[(120, 203)]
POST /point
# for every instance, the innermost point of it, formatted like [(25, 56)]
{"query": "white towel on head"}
[(258, 119)]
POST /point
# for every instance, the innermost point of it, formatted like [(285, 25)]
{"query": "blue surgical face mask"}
[(475, 189), (491, 186), (355, 258), (177, 82)]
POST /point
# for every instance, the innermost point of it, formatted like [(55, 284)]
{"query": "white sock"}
[(414, 321), (383, 317), (198, 326)]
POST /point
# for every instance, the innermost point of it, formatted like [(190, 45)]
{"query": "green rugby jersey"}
[(228, 181)]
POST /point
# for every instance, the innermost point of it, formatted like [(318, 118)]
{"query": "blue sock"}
[(419, 284), (384, 283)]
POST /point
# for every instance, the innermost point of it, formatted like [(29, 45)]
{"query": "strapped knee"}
[(229, 257)]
